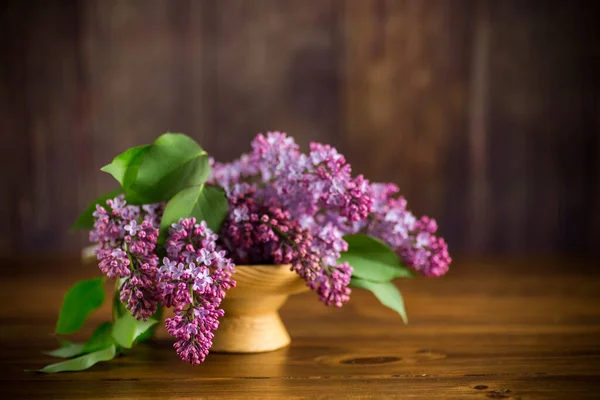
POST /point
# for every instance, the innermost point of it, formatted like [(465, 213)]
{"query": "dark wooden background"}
[(486, 113)]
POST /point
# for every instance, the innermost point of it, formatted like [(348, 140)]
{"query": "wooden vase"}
[(251, 323)]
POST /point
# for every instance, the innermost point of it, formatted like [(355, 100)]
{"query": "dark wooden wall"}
[(485, 112)]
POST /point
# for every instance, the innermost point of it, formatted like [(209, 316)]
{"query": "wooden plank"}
[(406, 81), (527, 387), (276, 69), (479, 183), (470, 335), (540, 143), (13, 123), (44, 95)]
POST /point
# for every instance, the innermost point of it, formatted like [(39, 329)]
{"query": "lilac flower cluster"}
[(413, 239), (256, 233), (265, 233), (317, 190), (308, 184), (126, 237), (193, 280)]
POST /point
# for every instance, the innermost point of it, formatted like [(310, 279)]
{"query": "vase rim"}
[(278, 266)]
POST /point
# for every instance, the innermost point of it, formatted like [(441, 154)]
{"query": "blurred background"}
[(485, 113)]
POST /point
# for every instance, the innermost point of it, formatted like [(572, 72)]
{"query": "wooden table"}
[(500, 329)]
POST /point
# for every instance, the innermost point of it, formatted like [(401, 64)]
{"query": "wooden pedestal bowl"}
[(251, 323)]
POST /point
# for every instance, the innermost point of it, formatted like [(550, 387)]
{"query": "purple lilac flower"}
[(193, 280), (413, 239), (333, 288), (126, 238), (303, 183), (310, 183), (269, 235), (231, 175), (114, 263), (339, 191)]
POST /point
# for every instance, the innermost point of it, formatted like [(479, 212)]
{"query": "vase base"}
[(250, 334)]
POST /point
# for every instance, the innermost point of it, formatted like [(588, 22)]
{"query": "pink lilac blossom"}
[(126, 238), (309, 183), (265, 233), (413, 239), (317, 190), (193, 280), (306, 184)]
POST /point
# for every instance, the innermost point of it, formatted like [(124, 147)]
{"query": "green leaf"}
[(173, 162), (205, 203), (82, 362), (83, 298), (86, 219), (127, 329), (67, 349), (386, 292), (372, 259), (124, 166), (100, 339)]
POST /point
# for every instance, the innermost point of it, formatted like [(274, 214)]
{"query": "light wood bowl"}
[(251, 323)]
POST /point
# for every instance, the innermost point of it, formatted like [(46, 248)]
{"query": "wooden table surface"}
[(525, 328)]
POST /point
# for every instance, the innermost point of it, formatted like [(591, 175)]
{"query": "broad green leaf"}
[(205, 203), (386, 292), (86, 219), (82, 362), (372, 259), (127, 329), (83, 298), (67, 349), (173, 162), (124, 166), (100, 339)]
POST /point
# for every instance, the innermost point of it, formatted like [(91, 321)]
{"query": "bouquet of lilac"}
[(173, 232)]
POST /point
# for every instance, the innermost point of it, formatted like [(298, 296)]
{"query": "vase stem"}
[(251, 329)]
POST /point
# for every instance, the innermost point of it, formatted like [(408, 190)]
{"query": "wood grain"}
[(525, 328), (406, 80), (276, 64), (41, 112)]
